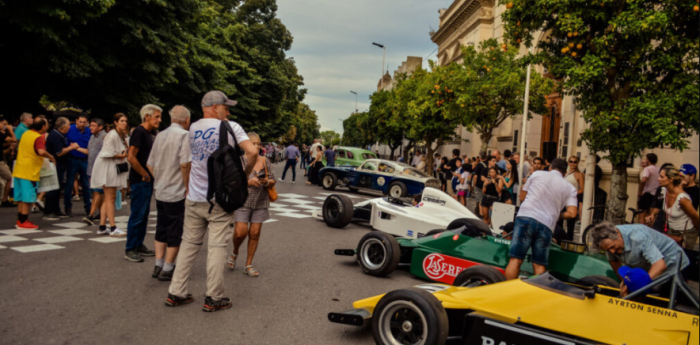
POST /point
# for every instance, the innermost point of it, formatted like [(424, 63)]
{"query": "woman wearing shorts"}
[(682, 220), (254, 212), (492, 189)]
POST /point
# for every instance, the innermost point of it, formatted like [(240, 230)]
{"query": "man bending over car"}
[(637, 245), (543, 197)]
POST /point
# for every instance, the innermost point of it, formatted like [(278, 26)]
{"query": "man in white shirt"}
[(647, 185), (204, 140), (170, 163), (416, 159), (543, 197)]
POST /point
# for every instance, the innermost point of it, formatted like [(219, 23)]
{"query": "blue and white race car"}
[(395, 179)]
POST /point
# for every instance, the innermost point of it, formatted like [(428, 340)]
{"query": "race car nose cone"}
[(407, 326)]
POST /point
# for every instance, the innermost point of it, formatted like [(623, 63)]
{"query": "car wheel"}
[(329, 181), (397, 190), (460, 222), (479, 275), (598, 280), (434, 232), (337, 211), (587, 239), (378, 253), (410, 316)]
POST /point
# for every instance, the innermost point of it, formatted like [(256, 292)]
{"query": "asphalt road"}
[(84, 292)]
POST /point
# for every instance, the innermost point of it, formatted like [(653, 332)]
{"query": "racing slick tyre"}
[(337, 211), (409, 316), (598, 280), (473, 224), (329, 181), (433, 232), (378, 253), (398, 190), (478, 276)]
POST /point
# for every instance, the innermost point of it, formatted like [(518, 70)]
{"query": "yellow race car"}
[(540, 310)]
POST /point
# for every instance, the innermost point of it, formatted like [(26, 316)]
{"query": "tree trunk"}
[(617, 200), (430, 156), (406, 150), (485, 139), (393, 148)]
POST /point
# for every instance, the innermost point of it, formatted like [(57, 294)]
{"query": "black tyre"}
[(410, 316), (337, 211), (329, 181), (598, 280), (479, 275), (378, 253), (433, 232), (474, 226), (397, 190)]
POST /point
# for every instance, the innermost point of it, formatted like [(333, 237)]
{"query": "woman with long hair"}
[(681, 217), (510, 185), (492, 189), (110, 173), (315, 166)]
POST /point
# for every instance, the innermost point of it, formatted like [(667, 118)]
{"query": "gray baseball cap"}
[(216, 97)]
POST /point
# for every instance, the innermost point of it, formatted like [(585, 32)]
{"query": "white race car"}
[(435, 211)]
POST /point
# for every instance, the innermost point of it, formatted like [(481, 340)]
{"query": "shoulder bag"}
[(271, 191)]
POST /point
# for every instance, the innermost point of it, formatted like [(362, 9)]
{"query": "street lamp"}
[(355, 100), (383, 58)]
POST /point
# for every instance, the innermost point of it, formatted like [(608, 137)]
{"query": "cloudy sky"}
[(333, 47)]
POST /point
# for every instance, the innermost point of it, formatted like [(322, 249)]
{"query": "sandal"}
[(250, 271), (231, 261)]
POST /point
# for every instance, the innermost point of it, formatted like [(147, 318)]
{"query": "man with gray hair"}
[(169, 163), (57, 145), (637, 245), (141, 181), (25, 120)]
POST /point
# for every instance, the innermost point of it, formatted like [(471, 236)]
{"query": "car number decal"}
[(445, 268)]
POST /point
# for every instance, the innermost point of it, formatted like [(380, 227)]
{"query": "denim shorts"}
[(528, 233)]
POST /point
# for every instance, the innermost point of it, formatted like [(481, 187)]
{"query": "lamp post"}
[(355, 101), (526, 107), (383, 58)]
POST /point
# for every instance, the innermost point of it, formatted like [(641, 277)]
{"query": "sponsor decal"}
[(433, 199), (381, 181), (501, 241), (695, 322), (437, 235), (645, 308), (421, 204), (455, 237), (445, 268), (409, 233)]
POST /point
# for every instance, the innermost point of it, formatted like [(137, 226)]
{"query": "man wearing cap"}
[(688, 174), (637, 245), (204, 139)]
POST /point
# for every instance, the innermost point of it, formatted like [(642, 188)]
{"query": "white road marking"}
[(307, 207), (108, 239), (58, 239), (154, 213), (152, 225), (69, 232), (36, 248), (71, 225), (121, 219), (292, 195), (122, 226), (293, 215), (270, 221), (3, 247), (19, 232), (4, 239), (298, 202)]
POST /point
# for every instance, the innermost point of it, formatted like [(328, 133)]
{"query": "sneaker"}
[(76, 197), (166, 276), (280, 179), (123, 203), (27, 225), (103, 232), (69, 212), (156, 271), (89, 220), (211, 305), (50, 217), (293, 182), (174, 301), (117, 233), (144, 251), (35, 209), (62, 215), (133, 256)]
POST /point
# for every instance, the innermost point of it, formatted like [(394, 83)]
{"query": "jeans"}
[(53, 198), (77, 166), (138, 220), (304, 162), (290, 163), (527, 232)]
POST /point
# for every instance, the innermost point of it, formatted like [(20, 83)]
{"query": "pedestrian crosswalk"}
[(60, 235)]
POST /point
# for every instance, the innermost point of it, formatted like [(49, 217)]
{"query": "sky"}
[(334, 53)]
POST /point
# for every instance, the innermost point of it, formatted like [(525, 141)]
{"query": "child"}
[(463, 187), (455, 177)]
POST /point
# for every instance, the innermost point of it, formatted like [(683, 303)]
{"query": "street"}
[(63, 284)]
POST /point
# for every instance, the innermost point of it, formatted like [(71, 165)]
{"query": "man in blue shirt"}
[(292, 153), (330, 157), (78, 133)]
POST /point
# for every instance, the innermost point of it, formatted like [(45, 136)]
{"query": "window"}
[(368, 156), (350, 155), (341, 153), (368, 166)]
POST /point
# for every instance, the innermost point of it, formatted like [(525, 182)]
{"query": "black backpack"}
[(228, 185)]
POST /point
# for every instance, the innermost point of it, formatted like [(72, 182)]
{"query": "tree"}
[(389, 126), (632, 67), (357, 130), (330, 138), (489, 87)]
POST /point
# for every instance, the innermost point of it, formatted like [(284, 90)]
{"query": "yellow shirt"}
[(28, 164)]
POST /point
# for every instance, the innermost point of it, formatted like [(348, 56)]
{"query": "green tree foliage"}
[(388, 121), (632, 67), (489, 87), (110, 56), (358, 130), (330, 138)]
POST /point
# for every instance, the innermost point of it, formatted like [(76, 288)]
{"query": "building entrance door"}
[(551, 122)]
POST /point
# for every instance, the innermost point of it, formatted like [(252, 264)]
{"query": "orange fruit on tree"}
[(579, 46), (519, 40), (518, 23), (571, 45), (509, 5), (575, 33), (569, 34), (573, 54), (504, 46), (696, 8)]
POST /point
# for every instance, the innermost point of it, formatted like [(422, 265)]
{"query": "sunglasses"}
[(573, 162)]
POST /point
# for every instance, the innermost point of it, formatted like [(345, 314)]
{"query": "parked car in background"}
[(346, 155), (398, 180)]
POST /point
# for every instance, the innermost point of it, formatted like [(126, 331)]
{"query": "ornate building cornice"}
[(458, 15)]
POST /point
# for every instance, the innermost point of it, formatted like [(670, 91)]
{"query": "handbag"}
[(271, 191), (122, 168)]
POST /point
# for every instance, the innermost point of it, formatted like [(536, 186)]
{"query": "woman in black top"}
[(443, 172), (492, 189)]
